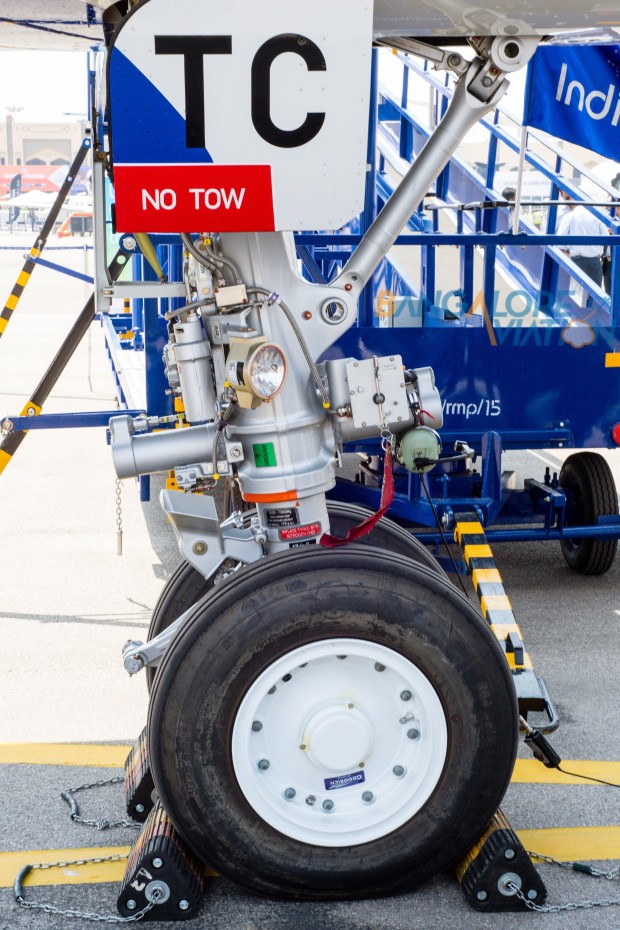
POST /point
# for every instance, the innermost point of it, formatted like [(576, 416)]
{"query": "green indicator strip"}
[(264, 455)]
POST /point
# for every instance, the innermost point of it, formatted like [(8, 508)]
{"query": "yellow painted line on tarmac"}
[(568, 844), (534, 772), (11, 863), (99, 755), (77, 754)]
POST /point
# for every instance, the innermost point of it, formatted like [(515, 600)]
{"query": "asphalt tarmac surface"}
[(69, 602)]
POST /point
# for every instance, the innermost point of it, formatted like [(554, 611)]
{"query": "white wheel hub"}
[(337, 737), (339, 742)]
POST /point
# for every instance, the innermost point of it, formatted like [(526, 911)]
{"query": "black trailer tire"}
[(383, 614), (588, 479), (186, 585)]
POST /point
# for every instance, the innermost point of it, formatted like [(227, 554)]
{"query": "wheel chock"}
[(139, 786), (161, 868), (496, 862)]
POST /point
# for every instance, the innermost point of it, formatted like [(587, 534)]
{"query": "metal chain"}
[(85, 915), (119, 519), (554, 908), (101, 823), (588, 870), (572, 906)]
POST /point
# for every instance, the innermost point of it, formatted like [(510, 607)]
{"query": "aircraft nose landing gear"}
[(335, 724)]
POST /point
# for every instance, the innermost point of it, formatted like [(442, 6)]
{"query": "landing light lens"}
[(267, 371)]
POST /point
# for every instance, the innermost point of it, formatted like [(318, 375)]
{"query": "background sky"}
[(47, 85)]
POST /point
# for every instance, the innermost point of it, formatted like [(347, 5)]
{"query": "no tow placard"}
[(228, 119)]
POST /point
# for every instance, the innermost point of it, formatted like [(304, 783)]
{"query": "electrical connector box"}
[(230, 296)]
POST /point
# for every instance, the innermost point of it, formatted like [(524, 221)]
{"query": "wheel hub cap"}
[(338, 738)]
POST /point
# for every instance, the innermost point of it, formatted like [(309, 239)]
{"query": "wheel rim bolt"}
[(257, 726), (341, 657), (413, 733), (405, 695), (310, 800), (263, 765), (367, 797), (399, 770), (131, 905), (157, 863), (184, 905), (289, 794), (272, 690), (328, 805), (379, 667)]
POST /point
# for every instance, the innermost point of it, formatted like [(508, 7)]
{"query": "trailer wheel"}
[(336, 724), (186, 585), (588, 479)]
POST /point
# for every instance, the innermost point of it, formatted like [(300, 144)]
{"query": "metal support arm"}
[(477, 91)]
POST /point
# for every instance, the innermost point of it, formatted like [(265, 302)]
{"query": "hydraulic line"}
[(210, 260), (216, 438)]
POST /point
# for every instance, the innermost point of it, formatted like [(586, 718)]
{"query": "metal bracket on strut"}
[(205, 544), (443, 61)]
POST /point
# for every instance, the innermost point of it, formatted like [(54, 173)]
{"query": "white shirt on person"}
[(578, 221)]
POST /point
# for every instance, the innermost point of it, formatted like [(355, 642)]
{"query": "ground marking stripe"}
[(569, 844), (584, 844), (100, 755), (76, 754), (534, 772), (12, 862)]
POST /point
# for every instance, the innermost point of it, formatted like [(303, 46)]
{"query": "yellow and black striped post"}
[(29, 265), (497, 610), (14, 438), (494, 602)]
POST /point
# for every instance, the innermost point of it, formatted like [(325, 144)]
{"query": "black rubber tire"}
[(290, 600), (186, 585), (588, 479)]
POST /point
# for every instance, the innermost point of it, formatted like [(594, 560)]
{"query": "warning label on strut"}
[(300, 532), (283, 516)]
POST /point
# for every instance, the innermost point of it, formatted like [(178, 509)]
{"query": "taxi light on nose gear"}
[(256, 370)]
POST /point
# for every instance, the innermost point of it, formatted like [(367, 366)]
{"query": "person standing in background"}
[(578, 221)]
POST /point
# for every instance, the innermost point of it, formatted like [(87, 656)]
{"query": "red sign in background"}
[(198, 198)]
